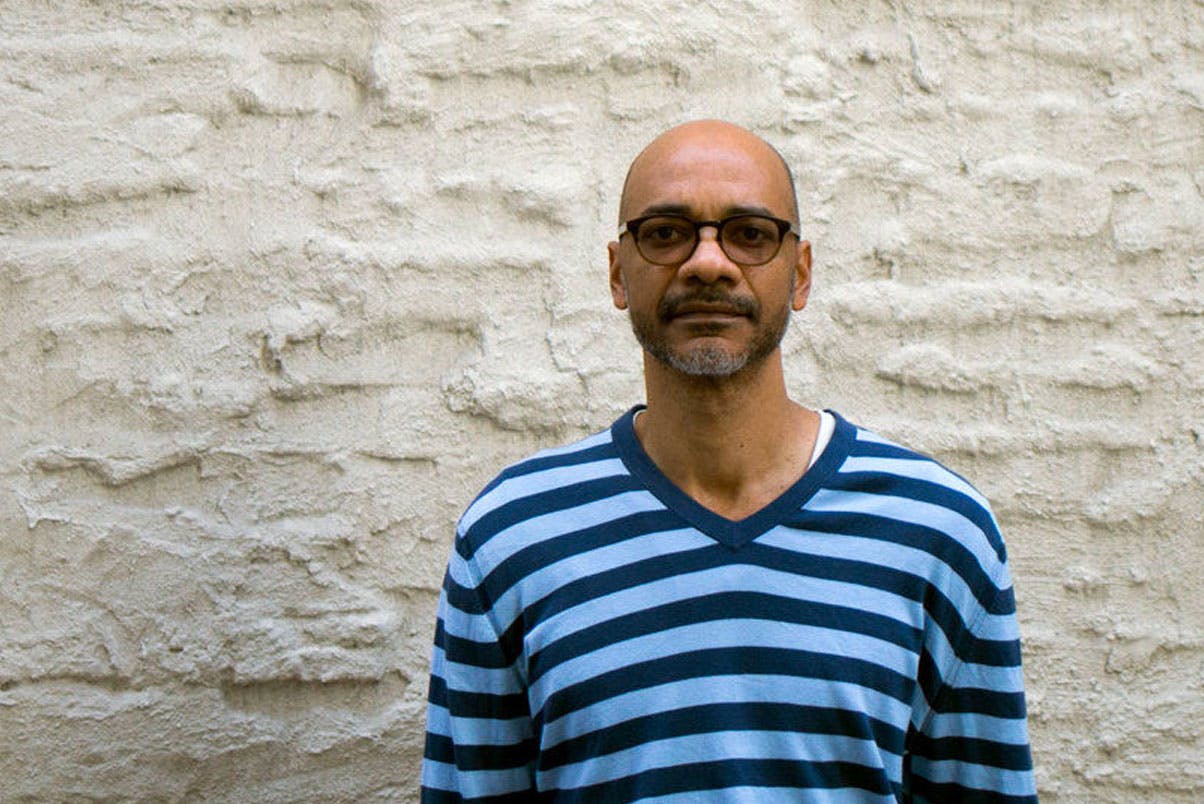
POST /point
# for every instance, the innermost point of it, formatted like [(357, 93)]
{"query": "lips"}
[(708, 310), (693, 306)]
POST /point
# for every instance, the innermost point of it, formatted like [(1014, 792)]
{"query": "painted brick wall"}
[(283, 283)]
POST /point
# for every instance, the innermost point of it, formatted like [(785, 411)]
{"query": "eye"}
[(664, 232), (751, 232)]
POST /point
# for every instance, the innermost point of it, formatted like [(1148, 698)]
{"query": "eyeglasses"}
[(671, 239)]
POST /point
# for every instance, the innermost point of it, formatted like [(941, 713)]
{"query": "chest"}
[(688, 620)]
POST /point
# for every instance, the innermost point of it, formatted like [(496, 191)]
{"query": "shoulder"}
[(869, 451), (903, 485), (541, 486)]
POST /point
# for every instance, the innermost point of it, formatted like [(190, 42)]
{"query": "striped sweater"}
[(602, 637)]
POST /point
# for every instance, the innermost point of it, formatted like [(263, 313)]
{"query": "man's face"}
[(708, 316)]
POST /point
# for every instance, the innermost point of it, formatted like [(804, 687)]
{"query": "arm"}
[(479, 737), (972, 745)]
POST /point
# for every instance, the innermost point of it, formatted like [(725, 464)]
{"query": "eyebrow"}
[(683, 210)]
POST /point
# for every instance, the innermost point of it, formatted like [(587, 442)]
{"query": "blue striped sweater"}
[(602, 637)]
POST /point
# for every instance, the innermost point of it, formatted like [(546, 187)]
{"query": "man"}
[(725, 596)]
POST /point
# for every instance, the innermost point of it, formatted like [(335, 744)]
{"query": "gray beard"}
[(703, 361), (706, 361)]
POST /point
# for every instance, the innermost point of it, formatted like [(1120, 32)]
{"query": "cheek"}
[(777, 289), (642, 289)]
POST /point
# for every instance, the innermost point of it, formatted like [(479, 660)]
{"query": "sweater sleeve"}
[(479, 736), (972, 745)]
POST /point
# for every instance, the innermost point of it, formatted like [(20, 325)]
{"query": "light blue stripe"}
[(544, 581), (988, 676), (902, 557), (459, 571), (911, 511), (478, 730), (439, 775), (874, 438), (442, 776), (438, 720), (716, 747), (1013, 731), (915, 468), (731, 578), (734, 633), (488, 680), (1007, 731), (598, 438), (761, 795), (509, 541), (517, 488), (472, 627), (982, 777), (707, 690), (889, 555), (458, 623)]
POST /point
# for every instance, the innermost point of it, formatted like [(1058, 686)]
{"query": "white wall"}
[(283, 283)]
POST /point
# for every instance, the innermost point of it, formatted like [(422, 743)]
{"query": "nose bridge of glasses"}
[(716, 239)]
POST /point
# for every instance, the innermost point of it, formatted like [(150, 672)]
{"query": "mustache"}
[(671, 306)]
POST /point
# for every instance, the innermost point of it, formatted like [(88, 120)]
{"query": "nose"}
[(708, 263)]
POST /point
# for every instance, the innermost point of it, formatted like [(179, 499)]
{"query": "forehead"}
[(708, 176)]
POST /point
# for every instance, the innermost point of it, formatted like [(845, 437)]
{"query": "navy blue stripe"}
[(746, 661), (860, 448), (922, 491), (598, 452), (463, 598), (929, 677), (766, 773), (976, 751), (433, 796), (938, 607), (546, 552), (721, 606), (616, 579), (931, 540), (949, 619), (439, 748), (476, 704), (714, 556), (466, 651), (863, 448), (1009, 705), (710, 718), (479, 757), (556, 498), (924, 790)]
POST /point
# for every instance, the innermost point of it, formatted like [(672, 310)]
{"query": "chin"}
[(707, 362)]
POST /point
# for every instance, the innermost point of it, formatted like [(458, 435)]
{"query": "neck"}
[(734, 444)]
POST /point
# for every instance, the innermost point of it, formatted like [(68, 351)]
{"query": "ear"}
[(802, 276), (618, 290)]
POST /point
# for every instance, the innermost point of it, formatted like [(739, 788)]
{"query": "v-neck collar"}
[(732, 533)]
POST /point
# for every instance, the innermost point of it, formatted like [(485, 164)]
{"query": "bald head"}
[(713, 150)]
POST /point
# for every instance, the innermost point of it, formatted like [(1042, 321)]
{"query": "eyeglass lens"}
[(746, 239)]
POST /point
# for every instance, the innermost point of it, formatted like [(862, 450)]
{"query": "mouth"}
[(708, 314), (693, 309)]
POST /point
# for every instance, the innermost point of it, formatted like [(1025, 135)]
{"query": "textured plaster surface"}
[(283, 283)]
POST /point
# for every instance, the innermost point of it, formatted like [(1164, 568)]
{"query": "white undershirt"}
[(827, 426)]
